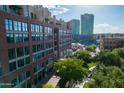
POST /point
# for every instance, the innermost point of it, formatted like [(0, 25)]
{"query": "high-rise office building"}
[(29, 45), (75, 26), (87, 24)]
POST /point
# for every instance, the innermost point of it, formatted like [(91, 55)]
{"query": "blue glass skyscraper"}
[(75, 26), (87, 24)]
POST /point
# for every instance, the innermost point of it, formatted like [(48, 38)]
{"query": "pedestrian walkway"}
[(53, 80)]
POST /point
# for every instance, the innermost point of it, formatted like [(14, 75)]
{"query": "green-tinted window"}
[(20, 63), (27, 74), (11, 53), (12, 66), (27, 60), (10, 38), (20, 52)]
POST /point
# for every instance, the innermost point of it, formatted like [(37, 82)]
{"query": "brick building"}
[(28, 47)]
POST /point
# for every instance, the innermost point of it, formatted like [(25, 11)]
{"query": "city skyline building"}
[(75, 26), (87, 24)]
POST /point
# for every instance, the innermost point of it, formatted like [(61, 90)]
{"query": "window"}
[(19, 26), (32, 27), (8, 24), (15, 25), (36, 38), (38, 56), (27, 60), (17, 38), (0, 70), (20, 63), (33, 37), (11, 53), (38, 47), (12, 66), (27, 74), (26, 50), (45, 36), (14, 82), (37, 28), (21, 77), (24, 26), (10, 38), (20, 38), (34, 48), (50, 31), (35, 69), (25, 36), (39, 76), (35, 58), (20, 52), (41, 37), (41, 29)]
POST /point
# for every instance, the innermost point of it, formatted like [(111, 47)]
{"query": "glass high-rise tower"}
[(75, 26), (87, 24)]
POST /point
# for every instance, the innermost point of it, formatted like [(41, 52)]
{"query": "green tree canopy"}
[(109, 58), (84, 55), (70, 69), (119, 51), (108, 77)]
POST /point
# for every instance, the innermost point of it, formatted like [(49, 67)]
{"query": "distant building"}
[(111, 43), (75, 26), (87, 24), (109, 40)]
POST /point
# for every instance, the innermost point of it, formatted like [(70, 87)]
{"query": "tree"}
[(109, 59), (91, 48), (70, 70), (119, 51), (107, 77), (84, 55)]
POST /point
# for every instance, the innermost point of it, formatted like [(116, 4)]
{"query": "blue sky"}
[(108, 19)]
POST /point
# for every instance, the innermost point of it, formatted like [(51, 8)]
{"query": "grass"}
[(92, 64)]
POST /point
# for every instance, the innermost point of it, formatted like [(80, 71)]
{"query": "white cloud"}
[(49, 6), (56, 9), (107, 28)]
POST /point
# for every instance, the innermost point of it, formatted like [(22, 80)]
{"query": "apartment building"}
[(110, 40), (29, 46), (111, 43)]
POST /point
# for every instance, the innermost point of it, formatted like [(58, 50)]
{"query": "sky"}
[(107, 18)]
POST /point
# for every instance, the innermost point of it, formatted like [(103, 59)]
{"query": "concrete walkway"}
[(53, 80)]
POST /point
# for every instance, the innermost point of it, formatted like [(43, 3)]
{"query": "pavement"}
[(53, 80)]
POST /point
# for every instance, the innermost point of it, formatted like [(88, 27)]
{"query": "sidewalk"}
[(53, 80)]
